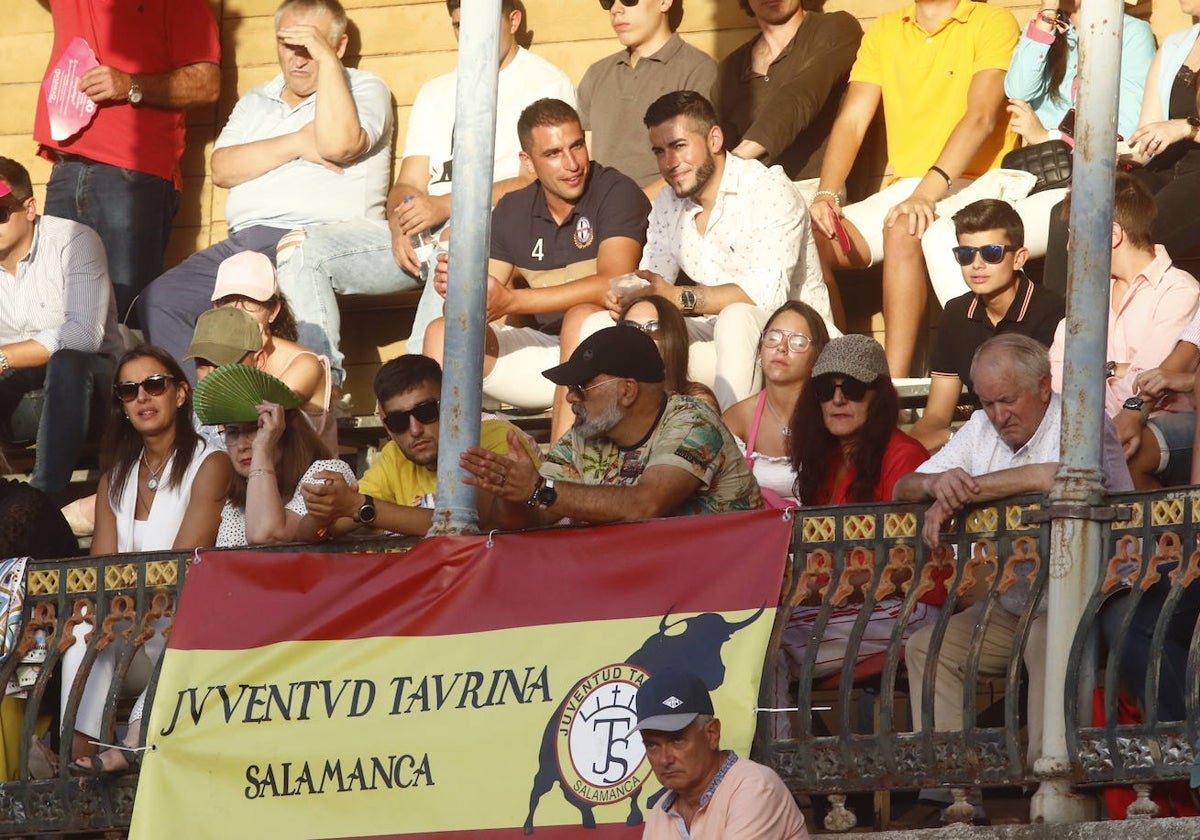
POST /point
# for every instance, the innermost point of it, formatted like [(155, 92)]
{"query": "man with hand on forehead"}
[(399, 491)]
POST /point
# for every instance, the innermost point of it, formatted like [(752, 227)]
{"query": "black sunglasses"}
[(232, 432), (426, 413), (651, 327), (154, 386), (853, 390), (992, 254), (608, 4), (9, 210)]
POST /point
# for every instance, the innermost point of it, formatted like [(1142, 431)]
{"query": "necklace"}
[(152, 483), (784, 428)]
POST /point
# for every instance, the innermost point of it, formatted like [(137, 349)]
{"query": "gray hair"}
[(1024, 358), (335, 9)]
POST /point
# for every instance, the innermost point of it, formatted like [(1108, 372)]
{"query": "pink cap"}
[(249, 274), (4, 189)]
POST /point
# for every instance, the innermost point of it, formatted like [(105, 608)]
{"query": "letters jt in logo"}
[(589, 747)]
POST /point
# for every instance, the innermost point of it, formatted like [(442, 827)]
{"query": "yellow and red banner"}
[(471, 687)]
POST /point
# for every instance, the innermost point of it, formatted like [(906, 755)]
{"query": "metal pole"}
[(470, 235), (1075, 546)]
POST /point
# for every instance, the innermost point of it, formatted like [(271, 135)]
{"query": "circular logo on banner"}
[(583, 232), (600, 756)]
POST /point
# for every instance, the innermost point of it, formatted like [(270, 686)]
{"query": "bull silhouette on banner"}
[(696, 647)]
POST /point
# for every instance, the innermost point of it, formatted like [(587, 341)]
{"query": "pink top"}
[(1142, 330)]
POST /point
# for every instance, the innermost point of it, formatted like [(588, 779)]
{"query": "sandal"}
[(97, 769)]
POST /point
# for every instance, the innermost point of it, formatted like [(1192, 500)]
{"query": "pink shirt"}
[(1142, 330), (746, 801)]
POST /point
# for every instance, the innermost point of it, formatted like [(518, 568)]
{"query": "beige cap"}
[(249, 274)]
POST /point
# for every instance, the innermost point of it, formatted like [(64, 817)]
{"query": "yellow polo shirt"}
[(925, 77)]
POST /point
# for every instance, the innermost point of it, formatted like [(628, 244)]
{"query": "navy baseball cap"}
[(670, 700), (618, 351)]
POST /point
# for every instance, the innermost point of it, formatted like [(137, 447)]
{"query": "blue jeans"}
[(346, 258), (131, 211), (71, 382), (171, 304)]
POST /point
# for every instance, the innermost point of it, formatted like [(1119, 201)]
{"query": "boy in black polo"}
[(991, 250)]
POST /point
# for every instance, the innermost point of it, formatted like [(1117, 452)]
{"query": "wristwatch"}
[(1193, 124), (687, 300), (1110, 369), (1137, 404), (544, 494), (366, 513), (135, 92)]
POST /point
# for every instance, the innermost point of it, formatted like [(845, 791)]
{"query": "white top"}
[(302, 193), (977, 449), (232, 532), (773, 472), (166, 511), (758, 237), (61, 296), (526, 79)]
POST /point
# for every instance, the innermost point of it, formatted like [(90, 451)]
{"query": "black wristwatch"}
[(1136, 404), (543, 494), (366, 513), (1110, 369), (687, 300)]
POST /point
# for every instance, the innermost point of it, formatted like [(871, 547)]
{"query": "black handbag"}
[(1049, 161)]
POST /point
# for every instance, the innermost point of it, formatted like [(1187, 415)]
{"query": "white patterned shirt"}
[(758, 237), (61, 296)]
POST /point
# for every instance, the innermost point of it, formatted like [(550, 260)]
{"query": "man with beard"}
[(399, 491), (738, 230), (555, 245), (633, 453)]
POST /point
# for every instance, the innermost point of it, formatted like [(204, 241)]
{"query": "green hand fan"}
[(230, 393)]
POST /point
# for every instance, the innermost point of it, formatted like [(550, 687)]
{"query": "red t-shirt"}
[(903, 455), (134, 36)]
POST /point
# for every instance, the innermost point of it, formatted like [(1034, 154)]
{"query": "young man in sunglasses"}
[(991, 251), (58, 329), (616, 91), (1008, 447), (633, 453), (399, 491)]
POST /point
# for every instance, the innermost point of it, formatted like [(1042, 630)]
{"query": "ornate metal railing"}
[(845, 562)]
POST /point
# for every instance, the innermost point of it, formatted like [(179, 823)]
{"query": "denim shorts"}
[(1174, 433)]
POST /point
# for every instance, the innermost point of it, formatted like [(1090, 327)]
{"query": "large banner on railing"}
[(472, 687)]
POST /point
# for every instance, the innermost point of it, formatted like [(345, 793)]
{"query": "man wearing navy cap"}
[(711, 792), (635, 452)]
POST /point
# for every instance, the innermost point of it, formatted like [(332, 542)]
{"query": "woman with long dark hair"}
[(662, 321), (162, 488), (788, 348)]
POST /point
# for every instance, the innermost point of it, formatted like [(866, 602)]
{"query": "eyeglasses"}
[(796, 342), (650, 327), (9, 210), (247, 305), (233, 431), (580, 391), (824, 388), (608, 4), (992, 254), (426, 413), (154, 386)]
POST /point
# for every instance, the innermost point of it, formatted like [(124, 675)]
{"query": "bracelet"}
[(837, 200), (1053, 19), (942, 172), (259, 471), (4, 365)]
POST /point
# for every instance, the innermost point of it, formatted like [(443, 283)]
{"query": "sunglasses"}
[(992, 254), (650, 327), (608, 4), (853, 390), (426, 413), (580, 391), (154, 386), (796, 342), (9, 210), (234, 431)]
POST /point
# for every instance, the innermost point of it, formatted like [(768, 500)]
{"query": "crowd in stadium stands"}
[(664, 245)]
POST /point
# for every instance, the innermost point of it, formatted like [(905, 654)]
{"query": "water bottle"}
[(423, 242)]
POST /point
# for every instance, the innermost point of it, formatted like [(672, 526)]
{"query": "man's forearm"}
[(26, 354), (235, 165), (710, 300), (598, 504), (190, 86), (340, 137)]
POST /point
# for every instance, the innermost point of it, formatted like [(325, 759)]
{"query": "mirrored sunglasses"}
[(234, 431), (824, 388), (154, 386), (992, 254), (426, 413), (796, 342), (650, 327)]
